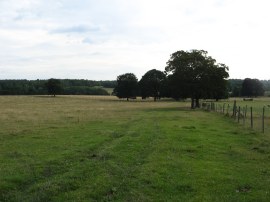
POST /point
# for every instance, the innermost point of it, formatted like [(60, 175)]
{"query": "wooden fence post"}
[(263, 119), (208, 107), (239, 110), (251, 117), (221, 109), (234, 109), (244, 117)]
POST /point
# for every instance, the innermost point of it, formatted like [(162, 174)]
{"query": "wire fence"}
[(255, 116)]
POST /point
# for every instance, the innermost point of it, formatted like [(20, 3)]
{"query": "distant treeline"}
[(69, 87), (90, 87), (235, 86)]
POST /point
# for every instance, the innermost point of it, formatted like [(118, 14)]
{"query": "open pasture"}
[(82, 148)]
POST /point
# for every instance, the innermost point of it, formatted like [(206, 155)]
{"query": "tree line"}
[(63, 86), (188, 74), (248, 87)]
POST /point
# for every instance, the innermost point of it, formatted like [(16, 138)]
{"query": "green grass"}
[(257, 108), (81, 148)]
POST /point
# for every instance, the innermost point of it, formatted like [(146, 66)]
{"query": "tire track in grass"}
[(120, 161), (44, 179), (102, 172)]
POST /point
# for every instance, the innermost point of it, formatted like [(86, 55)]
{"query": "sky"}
[(101, 39)]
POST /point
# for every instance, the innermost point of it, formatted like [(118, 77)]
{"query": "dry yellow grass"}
[(27, 112)]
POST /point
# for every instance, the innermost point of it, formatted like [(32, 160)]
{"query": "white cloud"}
[(99, 39)]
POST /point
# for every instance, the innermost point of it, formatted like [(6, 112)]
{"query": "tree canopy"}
[(252, 88), (151, 84), (196, 75), (127, 86), (54, 86)]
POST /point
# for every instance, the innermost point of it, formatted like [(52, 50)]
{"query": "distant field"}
[(109, 90), (94, 148)]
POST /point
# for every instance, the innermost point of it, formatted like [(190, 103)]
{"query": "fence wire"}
[(255, 116)]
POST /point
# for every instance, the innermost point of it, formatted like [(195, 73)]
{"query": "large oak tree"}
[(196, 75)]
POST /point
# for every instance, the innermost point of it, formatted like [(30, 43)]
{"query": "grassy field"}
[(82, 148), (257, 104)]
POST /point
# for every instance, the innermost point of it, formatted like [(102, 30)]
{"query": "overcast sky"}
[(100, 39)]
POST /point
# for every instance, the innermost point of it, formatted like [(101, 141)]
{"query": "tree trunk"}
[(197, 103), (192, 103)]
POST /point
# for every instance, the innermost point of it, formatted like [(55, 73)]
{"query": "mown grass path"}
[(128, 152)]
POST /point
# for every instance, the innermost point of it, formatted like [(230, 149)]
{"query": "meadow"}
[(86, 148)]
